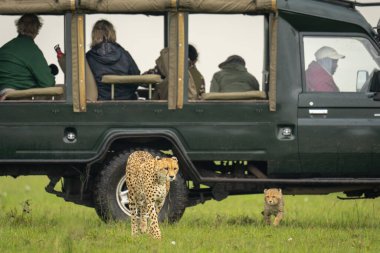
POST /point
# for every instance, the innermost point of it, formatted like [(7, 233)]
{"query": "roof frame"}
[(353, 3)]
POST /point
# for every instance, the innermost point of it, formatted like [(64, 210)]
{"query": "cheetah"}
[(148, 180), (274, 205)]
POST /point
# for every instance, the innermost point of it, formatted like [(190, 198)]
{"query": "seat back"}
[(245, 95), (48, 93), (91, 88)]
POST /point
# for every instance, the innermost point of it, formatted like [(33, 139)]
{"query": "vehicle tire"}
[(176, 201), (110, 194)]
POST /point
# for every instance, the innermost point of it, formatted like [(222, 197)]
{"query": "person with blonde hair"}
[(106, 57), (22, 63)]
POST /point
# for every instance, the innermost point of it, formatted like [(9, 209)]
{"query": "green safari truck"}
[(292, 133)]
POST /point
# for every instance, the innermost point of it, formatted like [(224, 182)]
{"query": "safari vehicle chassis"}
[(217, 181)]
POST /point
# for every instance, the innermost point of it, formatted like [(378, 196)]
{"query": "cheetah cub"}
[(148, 180), (274, 205)]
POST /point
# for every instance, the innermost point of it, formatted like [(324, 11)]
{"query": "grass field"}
[(311, 224)]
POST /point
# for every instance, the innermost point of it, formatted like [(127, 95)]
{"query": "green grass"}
[(311, 224)]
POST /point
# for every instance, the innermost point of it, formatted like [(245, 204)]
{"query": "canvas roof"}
[(136, 6)]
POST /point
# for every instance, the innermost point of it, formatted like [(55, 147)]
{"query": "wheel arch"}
[(118, 140)]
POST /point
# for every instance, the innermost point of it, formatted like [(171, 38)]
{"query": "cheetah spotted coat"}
[(148, 181)]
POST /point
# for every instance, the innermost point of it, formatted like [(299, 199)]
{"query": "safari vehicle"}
[(283, 135)]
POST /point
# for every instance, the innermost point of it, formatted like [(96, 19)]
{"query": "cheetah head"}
[(272, 196), (167, 166)]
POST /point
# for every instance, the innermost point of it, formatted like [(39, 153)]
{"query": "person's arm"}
[(254, 83), (320, 82), (214, 84), (41, 71), (132, 66), (62, 63)]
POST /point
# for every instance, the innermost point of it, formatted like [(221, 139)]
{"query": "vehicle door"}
[(339, 130)]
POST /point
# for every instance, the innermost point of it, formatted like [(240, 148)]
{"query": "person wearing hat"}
[(233, 77), (319, 74)]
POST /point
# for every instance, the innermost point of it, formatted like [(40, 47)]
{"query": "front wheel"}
[(111, 200)]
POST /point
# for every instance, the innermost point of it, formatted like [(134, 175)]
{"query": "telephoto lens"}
[(54, 69)]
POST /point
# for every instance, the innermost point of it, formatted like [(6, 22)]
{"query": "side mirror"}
[(361, 79)]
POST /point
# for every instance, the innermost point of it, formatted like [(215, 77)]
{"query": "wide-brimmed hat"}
[(233, 59), (328, 52)]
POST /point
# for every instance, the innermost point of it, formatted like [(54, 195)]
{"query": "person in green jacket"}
[(22, 64), (233, 77)]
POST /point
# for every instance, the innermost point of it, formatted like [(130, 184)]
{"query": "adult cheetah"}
[(148, 181)]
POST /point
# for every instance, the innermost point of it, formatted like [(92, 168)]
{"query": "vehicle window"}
[(50, 34), (230, 51), (139, 40), (339, 64)]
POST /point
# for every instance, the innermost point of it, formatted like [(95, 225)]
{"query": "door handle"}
[(318, 111)]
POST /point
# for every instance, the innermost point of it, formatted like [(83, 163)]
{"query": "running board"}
[(292, 181), (353, 198)]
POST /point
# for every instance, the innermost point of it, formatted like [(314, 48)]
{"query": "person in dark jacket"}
[(233, 77), (106, 57), (22, 64)]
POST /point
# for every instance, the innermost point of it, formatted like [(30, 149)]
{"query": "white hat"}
[(328, 52)]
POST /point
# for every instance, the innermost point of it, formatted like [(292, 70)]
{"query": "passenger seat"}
[(91, 88)]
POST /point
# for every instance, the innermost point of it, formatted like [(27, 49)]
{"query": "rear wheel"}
[(111, 200)]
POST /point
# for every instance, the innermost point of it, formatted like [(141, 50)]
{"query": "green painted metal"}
[(34, 132)]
